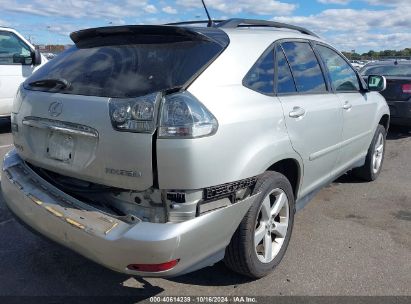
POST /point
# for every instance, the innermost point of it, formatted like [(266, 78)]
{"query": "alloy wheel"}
[(378, 154), (271, 225)]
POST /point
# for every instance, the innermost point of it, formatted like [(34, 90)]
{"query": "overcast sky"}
[(348, 24)]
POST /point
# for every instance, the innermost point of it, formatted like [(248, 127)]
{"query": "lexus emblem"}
[(55, 108)]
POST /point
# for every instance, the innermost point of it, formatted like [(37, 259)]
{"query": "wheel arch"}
[(291, 169), (385, 121)]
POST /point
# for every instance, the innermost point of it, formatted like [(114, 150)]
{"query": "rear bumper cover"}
[(108, 241), (400, 112)]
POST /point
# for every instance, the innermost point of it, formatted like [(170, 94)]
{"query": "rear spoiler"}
[(96, 35)]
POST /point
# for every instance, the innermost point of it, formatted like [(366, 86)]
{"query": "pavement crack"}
[(6, 221)]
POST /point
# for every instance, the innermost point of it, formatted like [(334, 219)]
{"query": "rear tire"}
[(375, 157), (260, 241)]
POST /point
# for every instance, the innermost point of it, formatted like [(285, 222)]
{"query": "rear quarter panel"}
[(251, 137)]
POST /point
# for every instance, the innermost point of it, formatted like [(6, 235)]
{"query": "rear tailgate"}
[(81, 142), (398, 88), (71, 129)]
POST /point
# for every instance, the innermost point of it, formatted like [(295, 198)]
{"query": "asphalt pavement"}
[(354, 238)]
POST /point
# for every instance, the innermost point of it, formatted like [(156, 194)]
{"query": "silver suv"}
[(159, 150)]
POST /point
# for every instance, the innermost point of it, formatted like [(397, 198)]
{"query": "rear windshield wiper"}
[(51, 83)]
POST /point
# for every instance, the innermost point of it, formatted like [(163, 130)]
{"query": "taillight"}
[(153, 267), (135, 114), (406, 88), (182, 115)]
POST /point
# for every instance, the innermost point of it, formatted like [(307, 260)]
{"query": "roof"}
[(236, 23), (255, 32), (278, 33)]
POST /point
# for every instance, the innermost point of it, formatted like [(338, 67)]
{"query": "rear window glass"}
[(305, 67), (261, 76), (125, 71), (388, 70)]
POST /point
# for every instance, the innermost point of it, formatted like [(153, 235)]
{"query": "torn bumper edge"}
[(197, 243)]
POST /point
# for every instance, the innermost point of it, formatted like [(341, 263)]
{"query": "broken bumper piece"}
[(107, 240)]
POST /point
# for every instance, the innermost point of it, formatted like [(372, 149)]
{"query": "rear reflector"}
[(153, 267), (406, 88)]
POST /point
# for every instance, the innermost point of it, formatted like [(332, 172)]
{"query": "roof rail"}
[(238, 22), (193, 22)]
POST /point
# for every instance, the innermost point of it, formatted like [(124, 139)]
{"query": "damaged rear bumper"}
[(105, 239)]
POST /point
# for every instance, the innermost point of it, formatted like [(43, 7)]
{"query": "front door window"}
[(13, 50)]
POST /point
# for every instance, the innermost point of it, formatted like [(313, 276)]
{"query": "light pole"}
[(48, 38)]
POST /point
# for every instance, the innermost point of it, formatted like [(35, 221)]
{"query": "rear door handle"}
[(347, 106), (297, 112)]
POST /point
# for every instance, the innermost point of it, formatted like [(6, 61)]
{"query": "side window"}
[(13, 50), (261, 76), (305, 67), (343, 77), (284, 78)]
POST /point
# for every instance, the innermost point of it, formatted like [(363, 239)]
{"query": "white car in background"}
[(357, 64), (18, 60)]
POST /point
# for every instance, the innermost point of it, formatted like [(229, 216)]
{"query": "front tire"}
[(260, 241), (375, 157)]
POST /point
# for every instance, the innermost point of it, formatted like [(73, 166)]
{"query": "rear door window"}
[(342, 75), (284, 80), (305, 67)]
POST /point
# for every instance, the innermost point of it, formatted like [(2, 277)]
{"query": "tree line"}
[(405, 53)]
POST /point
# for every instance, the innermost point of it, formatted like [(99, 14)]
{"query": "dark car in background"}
[(398, 91)]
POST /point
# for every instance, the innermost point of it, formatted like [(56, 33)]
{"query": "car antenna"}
[(210, 21)]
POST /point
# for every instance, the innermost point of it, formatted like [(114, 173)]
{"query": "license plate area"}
[(60, 146)]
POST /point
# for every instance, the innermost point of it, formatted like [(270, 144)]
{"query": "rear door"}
[(313, 115), (357, 108)]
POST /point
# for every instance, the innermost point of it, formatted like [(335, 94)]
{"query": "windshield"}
[(388, 70), (126, 70)]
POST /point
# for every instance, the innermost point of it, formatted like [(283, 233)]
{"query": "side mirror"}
[(36, 57), (376, 83)]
